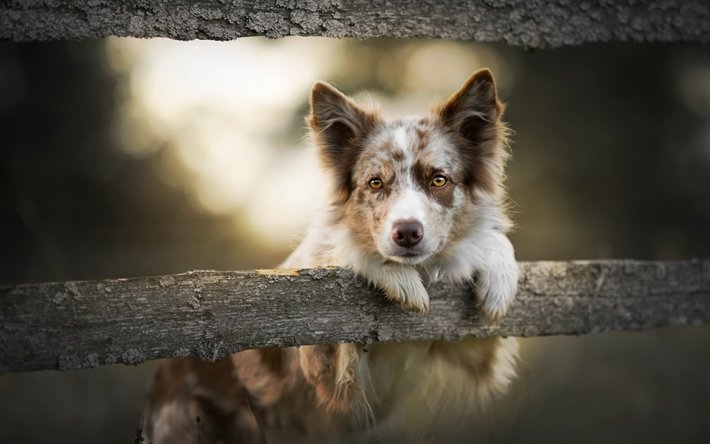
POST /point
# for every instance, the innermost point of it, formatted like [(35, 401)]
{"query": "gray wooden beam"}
[(73, 325), (517, 22)]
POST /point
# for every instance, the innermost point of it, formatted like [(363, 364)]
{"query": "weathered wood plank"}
[(517, 22), (209, 314)]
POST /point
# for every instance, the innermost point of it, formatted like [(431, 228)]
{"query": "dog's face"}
[(407, 188)]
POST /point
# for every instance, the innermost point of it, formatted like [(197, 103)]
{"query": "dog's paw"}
[(406, 288), (417, 298), (495, 290)]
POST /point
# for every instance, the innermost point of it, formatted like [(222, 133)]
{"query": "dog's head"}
[(408, 188)]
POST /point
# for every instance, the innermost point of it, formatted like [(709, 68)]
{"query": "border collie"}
[(412, 201)]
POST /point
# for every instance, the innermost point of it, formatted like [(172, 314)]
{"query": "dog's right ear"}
[(473, 114), (339, 127)]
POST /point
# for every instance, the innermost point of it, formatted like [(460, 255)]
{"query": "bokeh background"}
[(126, 157)]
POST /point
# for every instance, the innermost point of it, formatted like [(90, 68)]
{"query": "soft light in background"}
[(135, 157), (230, 115)]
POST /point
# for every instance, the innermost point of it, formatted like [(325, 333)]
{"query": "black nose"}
[(407, 233)]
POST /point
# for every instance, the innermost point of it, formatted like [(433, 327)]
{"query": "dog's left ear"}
[(473, 114), (339, 126)]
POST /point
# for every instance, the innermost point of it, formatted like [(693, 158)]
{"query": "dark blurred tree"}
[(608, 136), (72, 204)]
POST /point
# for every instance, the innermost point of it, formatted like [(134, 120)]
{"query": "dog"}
[(412, 201)]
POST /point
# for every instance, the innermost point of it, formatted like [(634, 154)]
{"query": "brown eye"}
[(375, 183), (438, 181)]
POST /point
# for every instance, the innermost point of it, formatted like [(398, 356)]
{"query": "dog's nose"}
[(407, 233)]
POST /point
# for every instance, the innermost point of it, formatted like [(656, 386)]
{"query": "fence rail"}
[(73, 325), (516, 22)]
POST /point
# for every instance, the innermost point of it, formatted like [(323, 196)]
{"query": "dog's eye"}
[(438, 181), (375, 183)]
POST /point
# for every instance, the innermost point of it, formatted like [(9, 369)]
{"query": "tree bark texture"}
[(516, 22), (209, 314)]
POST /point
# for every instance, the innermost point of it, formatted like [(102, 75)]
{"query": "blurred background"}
[(125, 157)]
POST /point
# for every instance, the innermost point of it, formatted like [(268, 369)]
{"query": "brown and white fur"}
[(413, 201)]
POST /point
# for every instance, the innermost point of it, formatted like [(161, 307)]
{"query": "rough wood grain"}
[(517, 22), (209, 314)]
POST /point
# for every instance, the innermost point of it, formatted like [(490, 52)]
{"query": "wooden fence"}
[(73, 325), (516, 22)]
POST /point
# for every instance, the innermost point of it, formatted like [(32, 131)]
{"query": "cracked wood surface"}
[(73, 325), (516, 22)]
